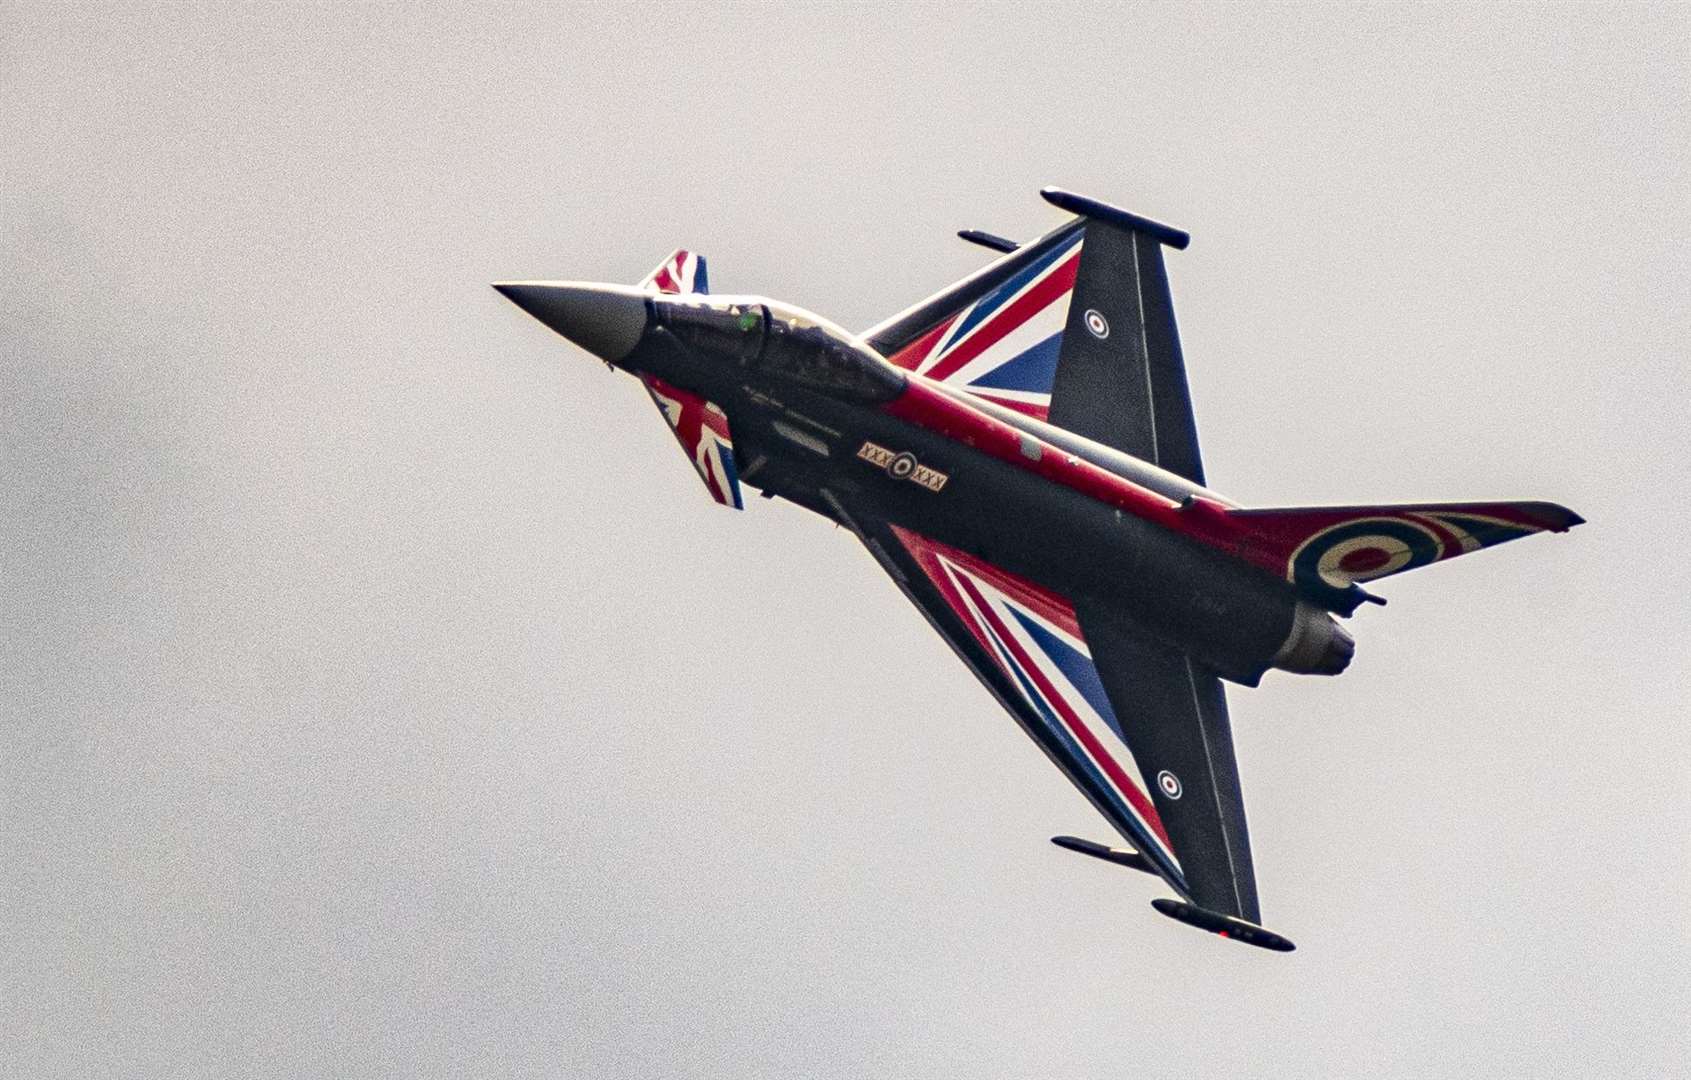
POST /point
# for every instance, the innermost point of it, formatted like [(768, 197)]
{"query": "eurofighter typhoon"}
[(1018, 453)]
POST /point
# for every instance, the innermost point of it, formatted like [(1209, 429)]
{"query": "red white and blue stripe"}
[(682, 272), (1034, 637), (702, 430), (700, 426), (1003, 347)]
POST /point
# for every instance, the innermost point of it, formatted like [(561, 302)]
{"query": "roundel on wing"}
[(1364, 549), (1169, 784)]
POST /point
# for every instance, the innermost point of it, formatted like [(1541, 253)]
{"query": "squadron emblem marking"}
[(902, 465)]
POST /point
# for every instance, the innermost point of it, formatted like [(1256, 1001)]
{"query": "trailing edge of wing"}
[(1174, 716)]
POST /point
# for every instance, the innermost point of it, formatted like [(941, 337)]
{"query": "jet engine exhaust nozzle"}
[(606, 320), (1316, 645)]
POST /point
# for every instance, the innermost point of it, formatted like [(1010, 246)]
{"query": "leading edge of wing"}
[(1024, 644)]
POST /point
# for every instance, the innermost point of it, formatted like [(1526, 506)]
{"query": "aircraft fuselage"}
[(1019, 453), (1085, 520)]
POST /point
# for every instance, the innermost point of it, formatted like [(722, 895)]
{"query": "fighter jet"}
[(1018, 453)]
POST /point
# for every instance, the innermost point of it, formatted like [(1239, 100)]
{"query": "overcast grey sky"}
[(380, 693)]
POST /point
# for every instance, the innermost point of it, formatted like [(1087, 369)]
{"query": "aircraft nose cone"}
[(606, 320)]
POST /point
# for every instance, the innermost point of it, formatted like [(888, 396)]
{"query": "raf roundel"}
[(1169, 784), (1364, 549), (902, 466), (1097, 324)]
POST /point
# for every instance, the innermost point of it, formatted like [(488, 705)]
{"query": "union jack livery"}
[(700, 426), (1003, 347), (702, 430), (1018, 453), (1034, 636), (682, 272)]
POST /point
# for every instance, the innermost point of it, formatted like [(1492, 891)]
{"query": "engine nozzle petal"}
[(1316, 644)]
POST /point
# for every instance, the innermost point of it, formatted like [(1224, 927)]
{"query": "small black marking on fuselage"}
[(902, 465)]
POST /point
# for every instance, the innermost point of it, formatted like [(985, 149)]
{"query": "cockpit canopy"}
[(785, 341), (724, 325)]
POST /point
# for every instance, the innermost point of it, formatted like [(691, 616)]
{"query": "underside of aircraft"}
[(1018, 453)]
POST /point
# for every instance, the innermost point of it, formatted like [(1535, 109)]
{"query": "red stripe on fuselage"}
[(1026, 408), (937, 411)]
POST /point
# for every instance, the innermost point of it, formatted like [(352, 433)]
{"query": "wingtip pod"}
[(1115, 215), (1556, 518), (1223, 925)]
